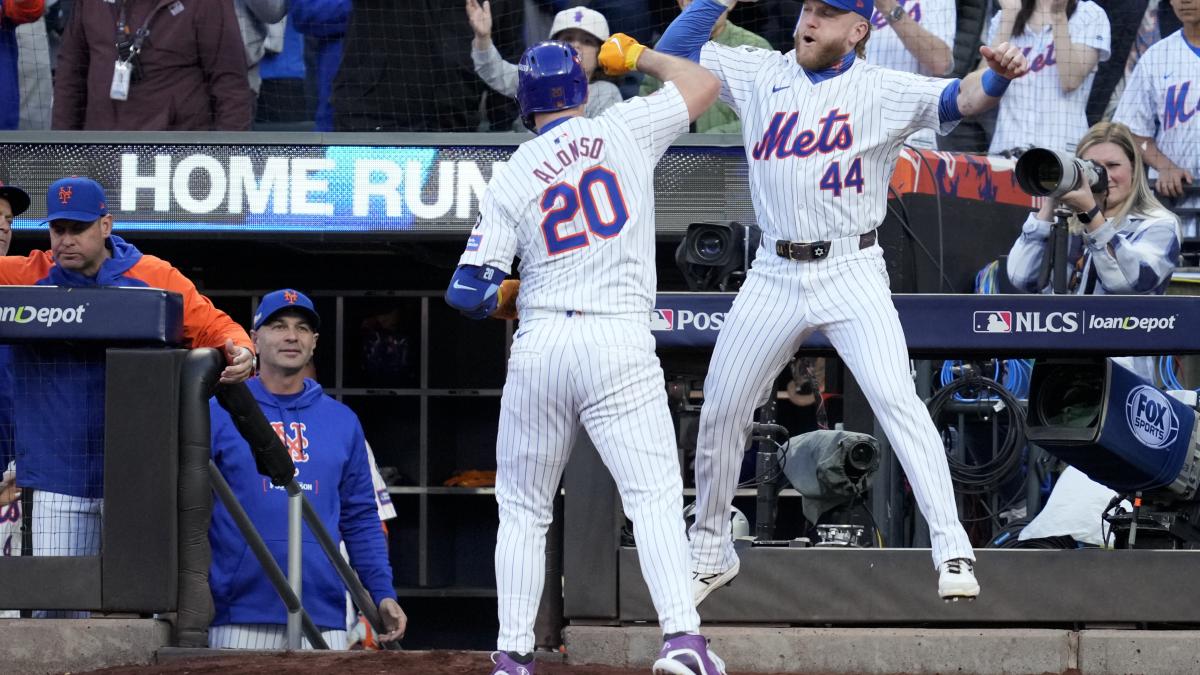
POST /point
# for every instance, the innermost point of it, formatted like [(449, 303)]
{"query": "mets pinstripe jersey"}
[(820, 167), (577, 205), (821, 149), (1035, 111), (562, 199), (1161, 101)]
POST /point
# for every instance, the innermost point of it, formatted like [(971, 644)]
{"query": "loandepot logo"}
[(43, 315), (1145, 323), (1150, 417)]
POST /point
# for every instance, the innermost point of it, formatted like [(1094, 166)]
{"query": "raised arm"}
[(692, 28), (490, 66), (931, 51), (697, 86), (1006, 22), (981, 90), (1076, 60)]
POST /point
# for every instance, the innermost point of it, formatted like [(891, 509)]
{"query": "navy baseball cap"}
[(75, 198), (17, 198), (287, 298), (863, 8)]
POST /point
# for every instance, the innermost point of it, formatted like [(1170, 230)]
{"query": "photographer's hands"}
[(1081, 200)]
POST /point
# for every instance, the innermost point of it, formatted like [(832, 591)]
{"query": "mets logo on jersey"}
[(833, 132), (993, 322), (1175, 108), (296, 443)]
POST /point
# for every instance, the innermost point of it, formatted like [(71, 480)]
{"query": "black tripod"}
[(1054, 264), (1054, 272)]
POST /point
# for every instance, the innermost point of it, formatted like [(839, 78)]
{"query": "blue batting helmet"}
[(550, 78)]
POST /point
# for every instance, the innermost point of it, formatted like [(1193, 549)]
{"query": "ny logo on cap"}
[(578, 16), (64, 194), (291, 297)]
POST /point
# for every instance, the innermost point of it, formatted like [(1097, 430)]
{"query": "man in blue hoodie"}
[(327, 446)]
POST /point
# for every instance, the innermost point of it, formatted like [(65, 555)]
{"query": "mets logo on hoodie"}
[(296, 443)]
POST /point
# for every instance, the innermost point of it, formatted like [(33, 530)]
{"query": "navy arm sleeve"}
[(690, 30), (473, 290)]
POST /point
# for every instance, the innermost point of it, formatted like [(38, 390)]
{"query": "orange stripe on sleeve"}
[(203, 324), (18, 271)]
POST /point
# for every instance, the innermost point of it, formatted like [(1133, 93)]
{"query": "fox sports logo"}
[(1151, 417)]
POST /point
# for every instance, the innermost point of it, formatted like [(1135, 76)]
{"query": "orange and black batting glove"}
[(620, 54)]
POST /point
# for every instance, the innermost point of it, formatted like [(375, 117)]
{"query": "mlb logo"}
[(473, 242), (662, 319), (993, 322)]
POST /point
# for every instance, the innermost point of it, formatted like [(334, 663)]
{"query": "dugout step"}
[(857, 586)]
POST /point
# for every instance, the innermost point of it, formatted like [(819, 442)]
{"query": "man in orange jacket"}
[(59, 388)]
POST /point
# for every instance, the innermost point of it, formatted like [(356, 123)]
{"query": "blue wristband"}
[(948, 106), (994, 84)]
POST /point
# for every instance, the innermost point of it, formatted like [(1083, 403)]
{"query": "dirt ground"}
[(353, 663)]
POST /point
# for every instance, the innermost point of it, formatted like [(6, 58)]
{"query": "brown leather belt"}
[(816, 250)]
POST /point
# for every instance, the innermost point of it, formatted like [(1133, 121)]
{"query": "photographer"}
[(1124, 242)]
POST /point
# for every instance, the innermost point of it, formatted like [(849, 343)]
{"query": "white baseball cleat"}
[(704, 583), (956, 580)]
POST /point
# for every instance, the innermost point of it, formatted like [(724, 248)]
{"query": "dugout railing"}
[(154, 553)]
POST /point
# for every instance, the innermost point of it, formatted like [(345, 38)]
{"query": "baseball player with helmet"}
[(822, 133), (576, 203)]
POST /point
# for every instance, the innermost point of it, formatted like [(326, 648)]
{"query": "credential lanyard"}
[(143, 32)]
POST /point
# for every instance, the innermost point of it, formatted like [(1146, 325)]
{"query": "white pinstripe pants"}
[(782, 301), (600, 371), (270, 636), (65, 525)]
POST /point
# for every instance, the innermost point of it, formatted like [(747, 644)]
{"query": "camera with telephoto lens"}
[(1049, 173)]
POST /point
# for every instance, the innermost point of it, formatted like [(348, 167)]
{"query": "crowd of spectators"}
[(438, 66), (428, 65)]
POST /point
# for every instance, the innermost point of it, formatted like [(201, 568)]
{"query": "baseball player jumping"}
[(576, 203), (822, 131)]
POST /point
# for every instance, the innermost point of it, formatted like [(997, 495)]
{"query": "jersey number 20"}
[(561, 203)]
